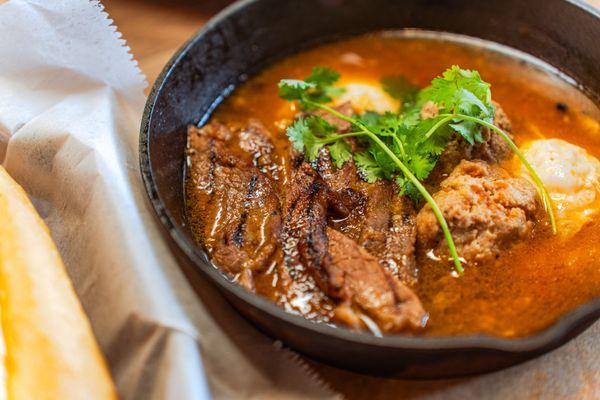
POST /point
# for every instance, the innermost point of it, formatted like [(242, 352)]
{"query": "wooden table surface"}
[(154, 30)]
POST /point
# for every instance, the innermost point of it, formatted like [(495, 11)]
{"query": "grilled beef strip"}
[(379, 219), (315, 255), (399, 256), (365, 288), (304, 243), (241, 214), (256, 140)]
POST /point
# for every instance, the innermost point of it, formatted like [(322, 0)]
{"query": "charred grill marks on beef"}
[(315, 253), (366, 289), (376, 217), (304, 238), (238, 236), (399, 254), (256, 140), (240, 209)]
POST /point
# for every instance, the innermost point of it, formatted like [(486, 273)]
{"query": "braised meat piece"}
[(493, 149), (368, 290), (319, 259), (215, 130), (388, 229), (399, 254), (304, 237), (304, 241), (485, 208), (256, 140), (241, 218), (379, 219)]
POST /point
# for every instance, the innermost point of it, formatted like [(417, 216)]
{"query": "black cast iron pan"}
[(252, 33)]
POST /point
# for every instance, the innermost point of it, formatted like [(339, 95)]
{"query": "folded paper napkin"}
[(71, 101)]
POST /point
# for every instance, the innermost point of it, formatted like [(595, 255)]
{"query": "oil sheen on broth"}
[(532, 284)]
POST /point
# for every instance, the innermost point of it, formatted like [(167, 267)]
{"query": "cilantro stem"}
[(438, 125), (543, 193), (342, 136), (400, 145), (336, 113), (436, 210)]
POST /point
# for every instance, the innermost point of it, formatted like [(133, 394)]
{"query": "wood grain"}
[(155, 29)]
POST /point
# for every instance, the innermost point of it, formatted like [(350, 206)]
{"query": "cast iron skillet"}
[(252, 33)]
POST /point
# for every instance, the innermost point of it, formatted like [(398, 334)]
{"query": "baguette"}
[(47, 348)]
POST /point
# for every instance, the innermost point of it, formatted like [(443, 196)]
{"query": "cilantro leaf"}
[(449, 89), (400, 88), (310, 134), (368, 167), (293, 89), (421, 165), (384, 124), (463, 92), (323, 76), (301, 136), (407, 188), (316, 88), (468, 130), (340, 153)]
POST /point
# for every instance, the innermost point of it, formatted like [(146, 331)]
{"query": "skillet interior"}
[(253, 33)]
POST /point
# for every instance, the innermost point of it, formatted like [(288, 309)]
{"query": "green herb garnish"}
[(401, 146), (401, 89)]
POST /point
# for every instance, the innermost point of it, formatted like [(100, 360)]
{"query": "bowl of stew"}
[(399, 188)]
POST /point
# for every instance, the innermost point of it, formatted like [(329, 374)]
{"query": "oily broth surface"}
[(534, 283)]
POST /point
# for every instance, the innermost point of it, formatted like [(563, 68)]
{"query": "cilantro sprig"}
[(316, 88), (404, 146)]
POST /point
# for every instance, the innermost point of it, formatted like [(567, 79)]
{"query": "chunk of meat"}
[(305, 243), (241, 216), (214, 130), (367, 289), (429, 110), (319, 259), (376, 216), (344, 182), (400, 244), (493, 149), (379, 219), (256, 140), (485, 208), (304, 237)]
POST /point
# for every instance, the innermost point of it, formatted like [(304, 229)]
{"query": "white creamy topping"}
[(571, 176)]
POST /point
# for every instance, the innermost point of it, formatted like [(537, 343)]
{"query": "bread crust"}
[(50, 350)]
